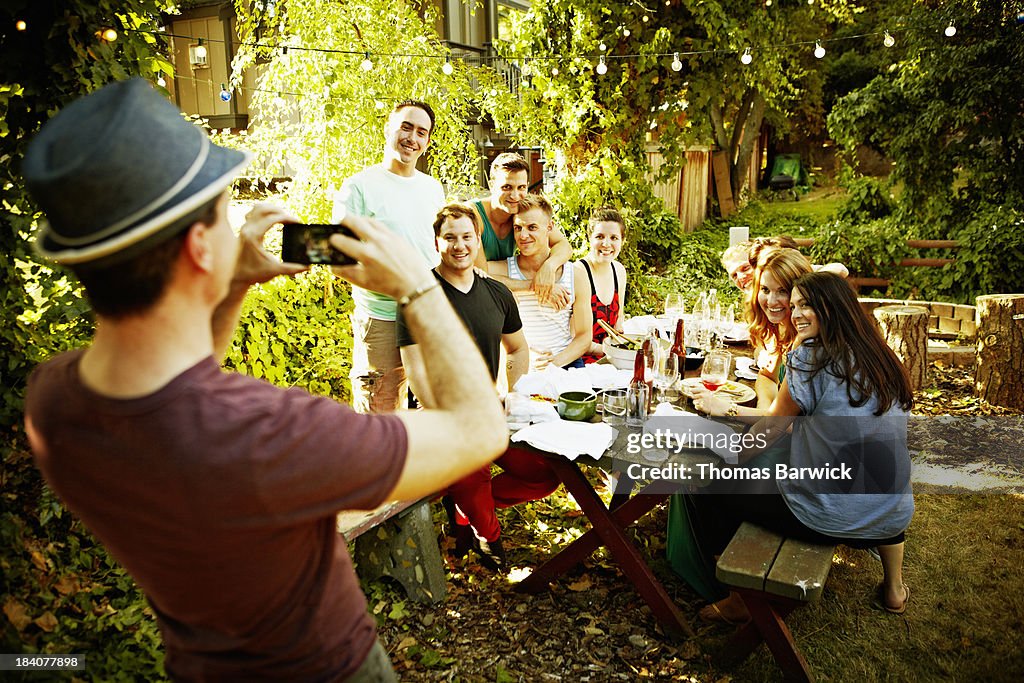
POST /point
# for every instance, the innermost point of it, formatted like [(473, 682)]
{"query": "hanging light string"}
[(745, 53)]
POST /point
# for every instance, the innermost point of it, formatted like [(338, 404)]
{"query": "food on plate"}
[(543, 398)]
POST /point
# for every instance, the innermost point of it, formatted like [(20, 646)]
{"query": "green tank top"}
[(495, 249)]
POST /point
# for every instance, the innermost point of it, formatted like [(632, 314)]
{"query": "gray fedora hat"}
[(118, 170)]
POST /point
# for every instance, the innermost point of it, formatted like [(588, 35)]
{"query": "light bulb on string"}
[(819, 51), (554, 71), (950, 30), (602, 68), (888, 40), (20, 25), (676, 64), (767, 3), (225, 94), (108, 34), (201, 51), (447, 68), (602, 47), (625, 32), (161, 81), (366, 64), (644, 19), (746, 57), (378, 104)]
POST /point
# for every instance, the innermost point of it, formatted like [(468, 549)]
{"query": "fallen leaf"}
[(583, 584), (38, 560), (47, 622), (593, 631), (68, 585), (407, 642), (17, 614)]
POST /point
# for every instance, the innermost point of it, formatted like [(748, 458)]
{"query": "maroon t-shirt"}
[(218, 494)]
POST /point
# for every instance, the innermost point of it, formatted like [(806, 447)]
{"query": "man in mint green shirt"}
[(406, 200)]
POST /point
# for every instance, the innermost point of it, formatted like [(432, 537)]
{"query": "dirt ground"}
[(965, 562)]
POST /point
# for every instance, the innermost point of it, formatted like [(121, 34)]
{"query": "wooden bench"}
[(397, 540), (774, 575)]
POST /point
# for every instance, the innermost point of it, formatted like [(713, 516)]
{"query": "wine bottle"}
[(638, 394), (679, 344)]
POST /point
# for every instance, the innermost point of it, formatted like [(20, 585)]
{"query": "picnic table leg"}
[(580, 549), (625, 553), (767, 623)]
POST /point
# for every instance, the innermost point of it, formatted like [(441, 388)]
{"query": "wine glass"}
[(715, 371), (666, 371), (675, 308)]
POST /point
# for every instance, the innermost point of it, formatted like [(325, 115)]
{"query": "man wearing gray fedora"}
[(216, 491)]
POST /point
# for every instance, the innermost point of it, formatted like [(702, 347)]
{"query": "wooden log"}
[(999, 371), (905, 329)]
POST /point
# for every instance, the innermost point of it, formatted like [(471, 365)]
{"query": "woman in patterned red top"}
[(607, 276)]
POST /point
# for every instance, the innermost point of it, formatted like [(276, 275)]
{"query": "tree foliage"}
[(606, 120), (949, 112), (320, 116)]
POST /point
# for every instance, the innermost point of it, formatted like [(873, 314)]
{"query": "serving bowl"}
[(621, 358), (576, 405), (694, 357)]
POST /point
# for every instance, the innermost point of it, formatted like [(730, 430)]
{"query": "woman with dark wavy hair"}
[(853, 396)]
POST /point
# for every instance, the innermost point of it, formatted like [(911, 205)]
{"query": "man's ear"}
[(198, 248)]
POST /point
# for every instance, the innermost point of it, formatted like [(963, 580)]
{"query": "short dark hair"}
[(606, 214), (419, 105), (127, 287), (455, 211), (536, 201), (510, 161)]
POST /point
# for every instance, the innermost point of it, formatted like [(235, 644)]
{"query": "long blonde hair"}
[(786, 265)]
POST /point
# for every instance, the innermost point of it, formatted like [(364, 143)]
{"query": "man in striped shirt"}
[(556, 336)]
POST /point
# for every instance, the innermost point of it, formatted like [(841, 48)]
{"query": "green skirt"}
[(684, 553)]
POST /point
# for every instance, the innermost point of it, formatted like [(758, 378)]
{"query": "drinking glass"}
[(666, 372), (615, 406), (715, 371)]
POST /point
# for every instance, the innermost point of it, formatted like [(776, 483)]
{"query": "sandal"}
[(713, 614), (880, 600)]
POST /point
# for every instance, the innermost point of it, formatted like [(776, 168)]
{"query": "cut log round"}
[(999, 373), (905, 329)]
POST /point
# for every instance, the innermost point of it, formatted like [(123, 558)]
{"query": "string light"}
[(625, 32), (950, 30), (554, 71), (888, 41), (767, 3), (819, 51), (644, 19), (602, 68), (225, 94), (746, 57), (108, 35), (201, 51), (602, 47), (366, 65), (20, 25), (676, 64), (447, 68), (161, 81)]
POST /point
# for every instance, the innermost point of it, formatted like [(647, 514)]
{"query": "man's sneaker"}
[(492, 554), (464, 539)]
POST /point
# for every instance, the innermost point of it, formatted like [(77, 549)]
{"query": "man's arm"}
[(581, 322), (412, 361), (547, 274), (254, 264), (454, 371), (517, 353)]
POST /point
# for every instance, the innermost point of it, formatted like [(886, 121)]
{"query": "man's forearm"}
[(560, 254), (512, 284), (518, 364)]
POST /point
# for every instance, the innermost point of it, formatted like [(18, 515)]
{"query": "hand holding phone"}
[(309, 243)]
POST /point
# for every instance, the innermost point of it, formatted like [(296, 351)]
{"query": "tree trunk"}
[(999, 372), (751, 118), (905, 329)]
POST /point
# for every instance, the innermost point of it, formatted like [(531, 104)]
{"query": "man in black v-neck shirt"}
[(491, 315)]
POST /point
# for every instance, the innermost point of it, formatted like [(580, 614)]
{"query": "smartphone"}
[(310, 243)]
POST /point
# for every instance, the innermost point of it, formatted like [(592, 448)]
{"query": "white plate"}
[(740, 393)]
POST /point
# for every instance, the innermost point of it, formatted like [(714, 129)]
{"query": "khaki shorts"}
[(378, 379)]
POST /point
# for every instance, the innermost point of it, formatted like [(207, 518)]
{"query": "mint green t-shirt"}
[(407, 205)]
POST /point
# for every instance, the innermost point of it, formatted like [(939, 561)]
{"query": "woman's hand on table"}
[(707, 402)]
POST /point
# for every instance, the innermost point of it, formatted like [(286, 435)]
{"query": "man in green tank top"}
[(509, 182)]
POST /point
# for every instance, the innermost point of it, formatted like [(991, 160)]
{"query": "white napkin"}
[(641, 324), (669, 410), (603, 376), (552, 381), (571, 439), (521, 411)]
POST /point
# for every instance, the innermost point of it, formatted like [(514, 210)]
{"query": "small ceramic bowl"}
[(576, 405), (694, 357)]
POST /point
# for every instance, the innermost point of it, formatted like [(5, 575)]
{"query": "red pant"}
[(526, 476)]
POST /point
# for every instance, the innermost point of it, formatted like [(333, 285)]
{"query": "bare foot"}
[(730, 610)]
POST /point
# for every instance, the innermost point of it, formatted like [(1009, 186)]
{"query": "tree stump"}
[(999, 372), (905, 329)]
